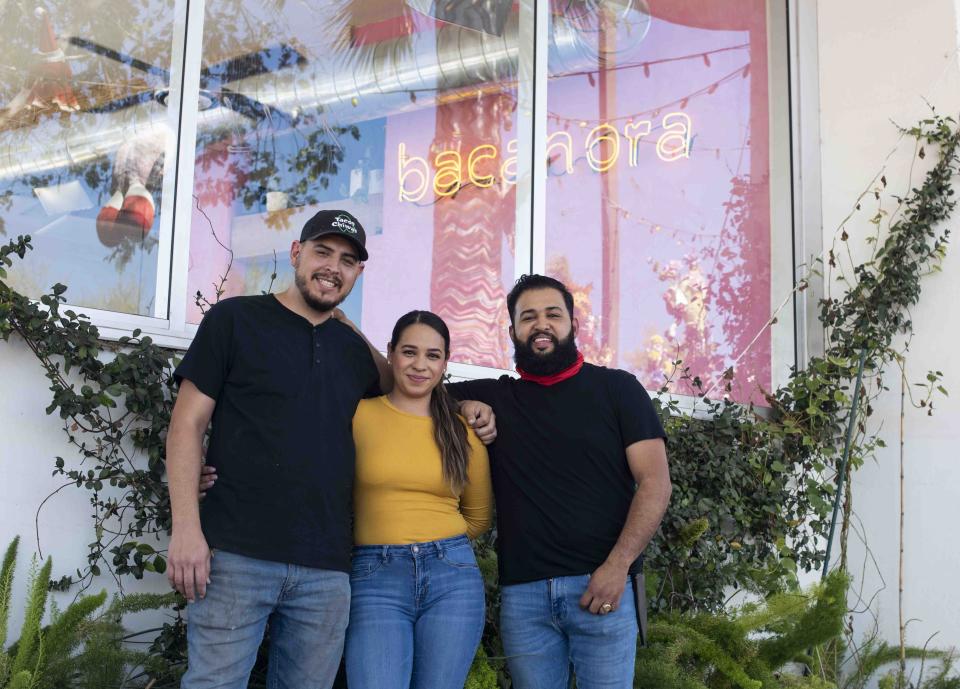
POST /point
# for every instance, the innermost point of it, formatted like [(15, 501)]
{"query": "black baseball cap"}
[(338, 223)]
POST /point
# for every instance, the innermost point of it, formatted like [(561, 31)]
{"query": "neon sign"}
[(602, 146)]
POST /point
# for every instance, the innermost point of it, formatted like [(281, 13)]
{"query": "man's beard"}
[(563, 356), (321, 305)]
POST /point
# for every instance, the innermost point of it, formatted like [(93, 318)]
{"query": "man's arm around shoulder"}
[(648, 464), (476, 406), (188, 558), (383, 368)]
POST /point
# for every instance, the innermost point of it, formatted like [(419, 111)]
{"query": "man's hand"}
[(188, 563), (606, 586), (208, 476), (481, 419), (383, 368), (188, 558), (647, 460)]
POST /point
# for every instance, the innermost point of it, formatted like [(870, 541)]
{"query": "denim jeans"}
[(307, 610), (416, 615), (545, 631)]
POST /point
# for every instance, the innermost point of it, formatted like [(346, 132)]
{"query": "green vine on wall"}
[(790, 457), (115, 415), (752, 493)]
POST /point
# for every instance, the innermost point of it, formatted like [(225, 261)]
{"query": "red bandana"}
[(554, 378)]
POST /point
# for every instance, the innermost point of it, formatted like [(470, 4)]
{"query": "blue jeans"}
[(545, 631), (416, 616), (307, 610)]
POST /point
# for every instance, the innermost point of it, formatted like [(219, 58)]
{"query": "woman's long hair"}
[(449, 431)]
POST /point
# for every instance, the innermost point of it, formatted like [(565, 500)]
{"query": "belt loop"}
[(440, 549), (385, 553)]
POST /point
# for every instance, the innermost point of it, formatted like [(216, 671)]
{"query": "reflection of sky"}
[(66, 247), (365, 153), (685, 198), (66, 250)]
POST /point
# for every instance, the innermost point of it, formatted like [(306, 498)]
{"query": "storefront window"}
[(660, 193), (658, 196), (404, 120), (84, 126)]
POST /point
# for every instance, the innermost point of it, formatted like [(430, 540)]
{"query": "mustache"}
[(328, 276)]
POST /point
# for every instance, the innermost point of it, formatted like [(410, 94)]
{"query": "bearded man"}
[(280, 378), (581, 482)]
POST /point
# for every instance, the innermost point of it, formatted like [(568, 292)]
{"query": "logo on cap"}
[(344, 224)]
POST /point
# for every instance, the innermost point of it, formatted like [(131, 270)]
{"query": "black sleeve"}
[(207, 362), (482, 390), (638, 419)]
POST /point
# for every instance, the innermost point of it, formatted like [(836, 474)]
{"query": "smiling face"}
[(542, 320), (326, 269), (543, 332), (418, 360)]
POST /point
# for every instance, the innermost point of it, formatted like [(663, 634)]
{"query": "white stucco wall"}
[(31, 441), (878, 61)]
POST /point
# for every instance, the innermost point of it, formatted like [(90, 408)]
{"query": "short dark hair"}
[(534, 281)]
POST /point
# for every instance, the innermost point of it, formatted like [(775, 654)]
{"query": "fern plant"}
[(79, 648), (745, 648), (874, 655)]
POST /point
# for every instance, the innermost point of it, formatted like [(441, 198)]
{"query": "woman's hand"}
[(342, 317), (208, 476)]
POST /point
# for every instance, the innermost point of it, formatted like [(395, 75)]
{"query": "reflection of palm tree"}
[(589, 337), (466, 287)]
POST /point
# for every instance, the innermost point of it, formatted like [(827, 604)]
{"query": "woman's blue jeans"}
[(416, 615)]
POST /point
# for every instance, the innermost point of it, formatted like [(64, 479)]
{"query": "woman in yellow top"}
[(422, 489)]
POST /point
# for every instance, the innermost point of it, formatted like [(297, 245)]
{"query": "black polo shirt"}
[(281, 440), (559, 468)]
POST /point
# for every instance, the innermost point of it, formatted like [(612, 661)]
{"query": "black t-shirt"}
[(560, 475), (281, 440)]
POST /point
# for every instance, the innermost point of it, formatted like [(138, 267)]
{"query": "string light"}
[(665, 60), (681, 102)]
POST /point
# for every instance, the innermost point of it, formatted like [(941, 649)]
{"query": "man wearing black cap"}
[(280, 377)]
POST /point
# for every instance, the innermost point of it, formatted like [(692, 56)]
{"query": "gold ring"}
[(606, 607)]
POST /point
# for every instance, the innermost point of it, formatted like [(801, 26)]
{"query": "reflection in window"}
[(82, 135), (658, 207), (379, 109)]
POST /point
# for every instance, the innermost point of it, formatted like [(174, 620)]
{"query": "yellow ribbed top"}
[(400, 495)]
